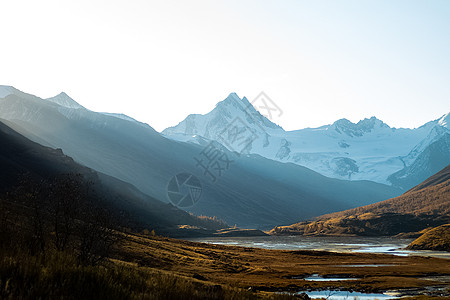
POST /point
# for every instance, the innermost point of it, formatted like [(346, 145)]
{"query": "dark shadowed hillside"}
[(19, 156)]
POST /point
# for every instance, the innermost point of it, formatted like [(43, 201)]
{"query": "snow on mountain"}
[(427, 162), (213, 123), (359, 129), (367, 150), (254, 192), (434, 134), (444, 121), (230, 114), (64, 100)]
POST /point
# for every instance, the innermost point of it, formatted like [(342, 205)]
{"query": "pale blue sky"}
[(158, 61)]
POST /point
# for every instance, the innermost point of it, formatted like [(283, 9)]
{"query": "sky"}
[(158, 61)]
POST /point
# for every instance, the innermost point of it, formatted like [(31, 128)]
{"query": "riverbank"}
[(262, 270)]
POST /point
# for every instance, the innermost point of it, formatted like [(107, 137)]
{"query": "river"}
[(386, 245)]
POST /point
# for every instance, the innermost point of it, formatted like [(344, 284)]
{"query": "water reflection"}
[(317, 277), (344, 295)]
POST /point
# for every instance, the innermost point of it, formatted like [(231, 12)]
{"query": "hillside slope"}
[(437, 239), (19, 156), (426, 205)]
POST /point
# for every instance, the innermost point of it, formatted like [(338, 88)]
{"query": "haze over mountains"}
[(21, 157), (367, 150), (252, 191)]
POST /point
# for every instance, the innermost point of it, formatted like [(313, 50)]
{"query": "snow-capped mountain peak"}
[(212, 124), (363, 126), (233, 102), (371, 123), (232, 97), (64, 100), (366, 150)]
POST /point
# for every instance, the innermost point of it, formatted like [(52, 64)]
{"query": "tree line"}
[(59, 214)]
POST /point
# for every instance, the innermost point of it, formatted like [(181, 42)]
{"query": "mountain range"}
[(250, 190), (367, 150)]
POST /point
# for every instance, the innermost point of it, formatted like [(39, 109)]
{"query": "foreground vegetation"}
[(57, 242), (263, 270), (59, 276), (146, 267)]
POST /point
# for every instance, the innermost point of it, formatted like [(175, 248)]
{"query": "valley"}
[(354, 238), (225, 150), (265, 270)]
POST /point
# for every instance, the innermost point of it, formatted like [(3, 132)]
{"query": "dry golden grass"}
[(434, 239), (413, 211), (273, 270), (146, 267)]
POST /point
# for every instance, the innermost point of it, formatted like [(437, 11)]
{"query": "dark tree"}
[(64, 214)]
